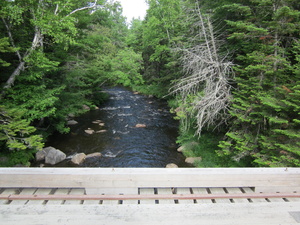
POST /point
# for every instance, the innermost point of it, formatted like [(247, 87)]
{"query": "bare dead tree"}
[(207, 76)]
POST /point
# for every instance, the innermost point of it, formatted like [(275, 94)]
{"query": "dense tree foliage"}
[(265, 105), (233, 65), (259, 93), (161, 29), (55, 55)]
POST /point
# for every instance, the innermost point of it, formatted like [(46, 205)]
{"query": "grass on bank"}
[(206, 147)]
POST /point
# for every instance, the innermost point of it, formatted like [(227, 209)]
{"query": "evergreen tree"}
[(161, 30), (264, 125)]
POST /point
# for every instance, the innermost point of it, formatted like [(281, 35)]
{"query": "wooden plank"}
[(131, 191), (248, 190), (8, 191), (101, 191), (201, 191), (25, 191), (176, 214), (152, 177), (236, 191), (91, 202), (157, 171), (130, 201), (112, 191), (110, 202), (155, 196), (219, 191), (293, 199), (276, 199), (60, 191), (165, 191), (184, 191), (146, 191), (75, 191), (40, 191), (274, 188)]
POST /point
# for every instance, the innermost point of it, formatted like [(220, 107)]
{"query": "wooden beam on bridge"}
[(154, 196), (111, 180)]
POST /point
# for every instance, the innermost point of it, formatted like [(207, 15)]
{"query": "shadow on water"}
[(121, 143)]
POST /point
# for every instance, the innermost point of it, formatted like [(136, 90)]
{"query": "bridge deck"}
[(53, 200)]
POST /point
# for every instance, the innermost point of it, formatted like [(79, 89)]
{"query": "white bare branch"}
[(56, 9), (11, 39), (83, 8), (36, 42), (207, 77)]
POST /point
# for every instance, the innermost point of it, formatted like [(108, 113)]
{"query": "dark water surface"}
[(123, 144)]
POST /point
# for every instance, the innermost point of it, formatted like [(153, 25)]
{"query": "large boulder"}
[(41, 155), (54, 156), (78, 158)]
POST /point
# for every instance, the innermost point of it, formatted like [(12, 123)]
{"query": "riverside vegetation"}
[(229, 68)]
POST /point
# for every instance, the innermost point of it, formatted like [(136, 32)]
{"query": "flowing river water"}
[(118, 139)]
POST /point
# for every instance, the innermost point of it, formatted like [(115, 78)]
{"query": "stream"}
[(131, 130)]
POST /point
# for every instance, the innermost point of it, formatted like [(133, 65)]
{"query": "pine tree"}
[(161, 29), (264, 127)]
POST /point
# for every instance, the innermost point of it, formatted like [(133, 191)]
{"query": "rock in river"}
[(101, 131), (89, 131), (54, 156), (85, 107), (192, 160), (140, 125), (92, 155), (41, 155), (171, 165), (180, 149), (78, 158), (72, 122)]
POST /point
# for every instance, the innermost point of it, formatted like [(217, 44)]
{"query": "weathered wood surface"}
[(226, 196), (211, 214), (145, 196), (263, 179)]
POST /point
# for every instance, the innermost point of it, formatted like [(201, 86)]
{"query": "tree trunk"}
[(207, 77), (36, 42), (13, 76)]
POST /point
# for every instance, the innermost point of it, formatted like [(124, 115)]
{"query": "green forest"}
[(230, 70)]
